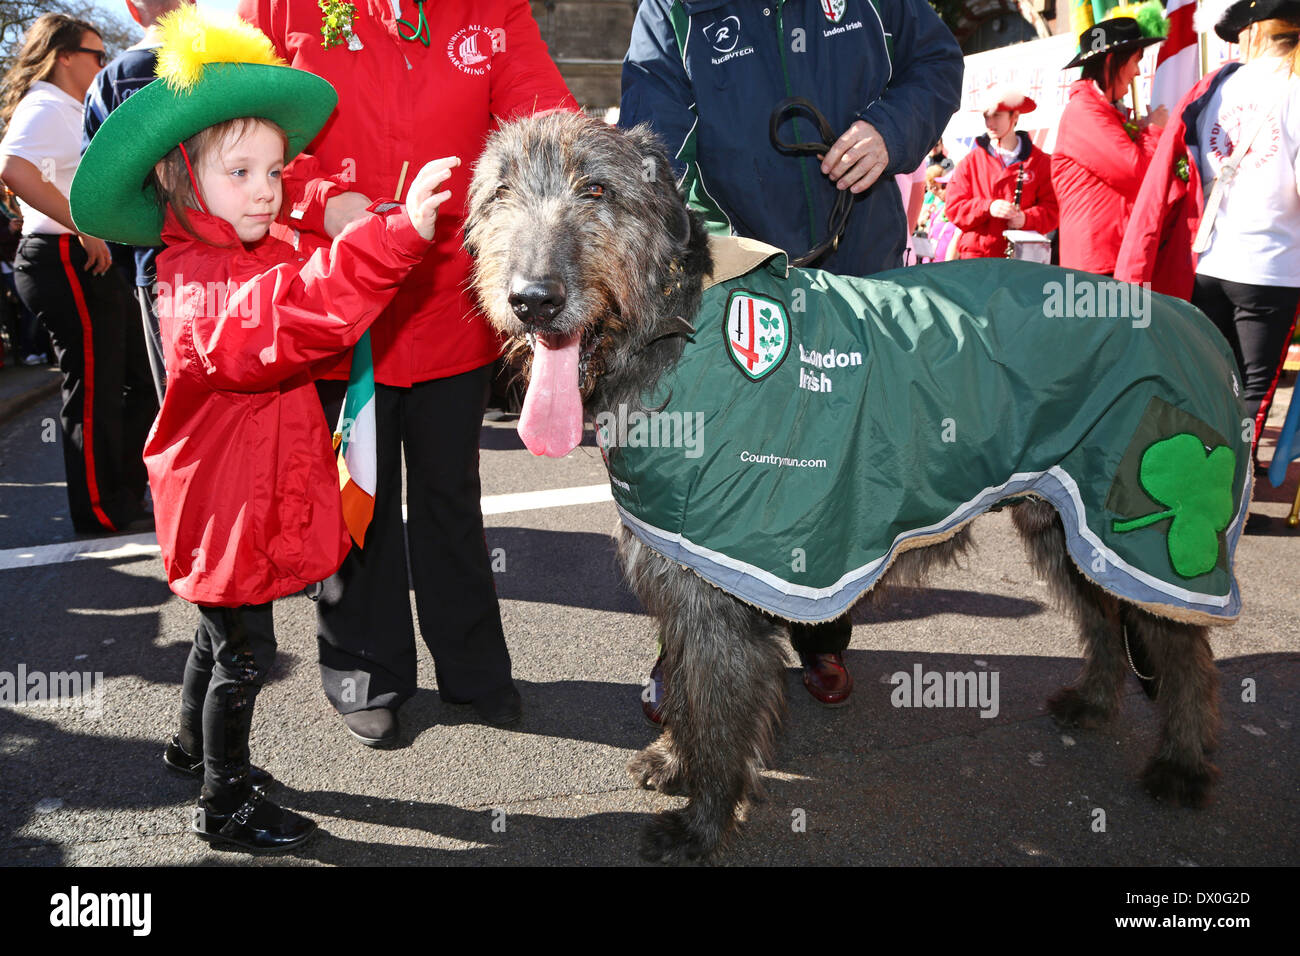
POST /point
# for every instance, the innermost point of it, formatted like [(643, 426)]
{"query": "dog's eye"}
[(592, 191), (501, 192)]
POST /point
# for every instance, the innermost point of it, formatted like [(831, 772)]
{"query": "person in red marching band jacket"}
[(1101, 152), (1004, 182)]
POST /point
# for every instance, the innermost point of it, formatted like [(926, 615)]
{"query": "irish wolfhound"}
[(587, 258)]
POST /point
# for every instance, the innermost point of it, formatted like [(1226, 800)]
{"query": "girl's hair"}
[(1103, 69), (175, 188), (50, 35)]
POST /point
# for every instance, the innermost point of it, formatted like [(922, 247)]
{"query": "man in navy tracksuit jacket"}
[(129, 71), (706, 75)]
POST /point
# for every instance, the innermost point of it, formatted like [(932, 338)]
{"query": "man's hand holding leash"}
[(857, 159)]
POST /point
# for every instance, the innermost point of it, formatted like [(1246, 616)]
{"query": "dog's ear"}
[(658, 171)]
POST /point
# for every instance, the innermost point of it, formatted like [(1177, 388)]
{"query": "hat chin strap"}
[(194, 182)]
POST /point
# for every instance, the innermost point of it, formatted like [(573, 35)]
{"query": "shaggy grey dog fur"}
[(578, 227)]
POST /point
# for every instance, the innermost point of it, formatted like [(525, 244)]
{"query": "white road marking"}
[(555, 498), (146, 545)]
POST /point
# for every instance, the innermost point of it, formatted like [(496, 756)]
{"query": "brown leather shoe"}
[(652, 697), (827, 679)]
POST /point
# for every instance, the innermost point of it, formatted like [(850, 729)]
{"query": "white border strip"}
[(980, 503)]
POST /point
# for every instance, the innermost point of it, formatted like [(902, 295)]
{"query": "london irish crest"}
[(834, 9), (757, 333)]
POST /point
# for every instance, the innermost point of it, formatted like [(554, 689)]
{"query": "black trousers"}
[(232, 656), (144, 298), (108, 397), (830, 637), (365, 634), (1256, 320)]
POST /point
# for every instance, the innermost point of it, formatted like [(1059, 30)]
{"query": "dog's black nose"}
[(537, 300)]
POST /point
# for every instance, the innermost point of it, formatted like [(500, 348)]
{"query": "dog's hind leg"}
[(1187, 694), (1093, 699)]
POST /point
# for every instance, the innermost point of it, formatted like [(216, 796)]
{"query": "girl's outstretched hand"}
[(422, 201)]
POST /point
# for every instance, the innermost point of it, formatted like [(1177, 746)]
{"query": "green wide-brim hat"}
[(112, 194)]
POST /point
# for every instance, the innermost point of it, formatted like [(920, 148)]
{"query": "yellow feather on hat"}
[(193, 37)]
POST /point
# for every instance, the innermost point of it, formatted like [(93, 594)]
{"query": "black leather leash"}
[(838, 220)]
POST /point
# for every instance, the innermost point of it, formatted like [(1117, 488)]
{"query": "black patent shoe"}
[(257, 825), (178, 759)]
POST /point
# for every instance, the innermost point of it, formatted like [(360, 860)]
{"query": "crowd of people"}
[(287, 183)]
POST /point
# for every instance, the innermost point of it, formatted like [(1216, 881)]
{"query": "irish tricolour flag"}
[(354, 440)]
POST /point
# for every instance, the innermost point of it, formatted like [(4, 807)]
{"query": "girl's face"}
[(240, 181)]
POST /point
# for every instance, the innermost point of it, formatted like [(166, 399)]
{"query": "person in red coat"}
[(1101, 153), (416, 80), (981, 199), (240, 458)]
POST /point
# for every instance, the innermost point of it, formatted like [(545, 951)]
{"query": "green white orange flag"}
[(354, 440)]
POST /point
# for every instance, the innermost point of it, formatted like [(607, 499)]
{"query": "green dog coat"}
[(819, 425)]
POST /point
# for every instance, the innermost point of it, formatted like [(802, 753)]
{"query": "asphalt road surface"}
[(866, 784)]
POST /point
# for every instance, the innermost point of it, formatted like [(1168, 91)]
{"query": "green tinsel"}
[(1151, 19)]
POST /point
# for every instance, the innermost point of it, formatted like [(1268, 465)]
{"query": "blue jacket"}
[(128, 72), (705, 74)]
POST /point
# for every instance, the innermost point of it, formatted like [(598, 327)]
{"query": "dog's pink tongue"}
[(551, 422)]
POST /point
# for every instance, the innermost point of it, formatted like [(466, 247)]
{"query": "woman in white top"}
[(1248, 279), (68, 281)]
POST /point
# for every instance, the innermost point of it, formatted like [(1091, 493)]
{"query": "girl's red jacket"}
[(981, 178), (402, 102), (1097, 170), (241, 465)]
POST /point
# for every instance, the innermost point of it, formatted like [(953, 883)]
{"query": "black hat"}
[(1128, 28), (1228, 18)]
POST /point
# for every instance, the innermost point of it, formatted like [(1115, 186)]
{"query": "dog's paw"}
[(1179, 784), (668, 838), (1069, 708), (653, 769)]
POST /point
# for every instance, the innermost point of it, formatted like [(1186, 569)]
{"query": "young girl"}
[(240, 462)]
